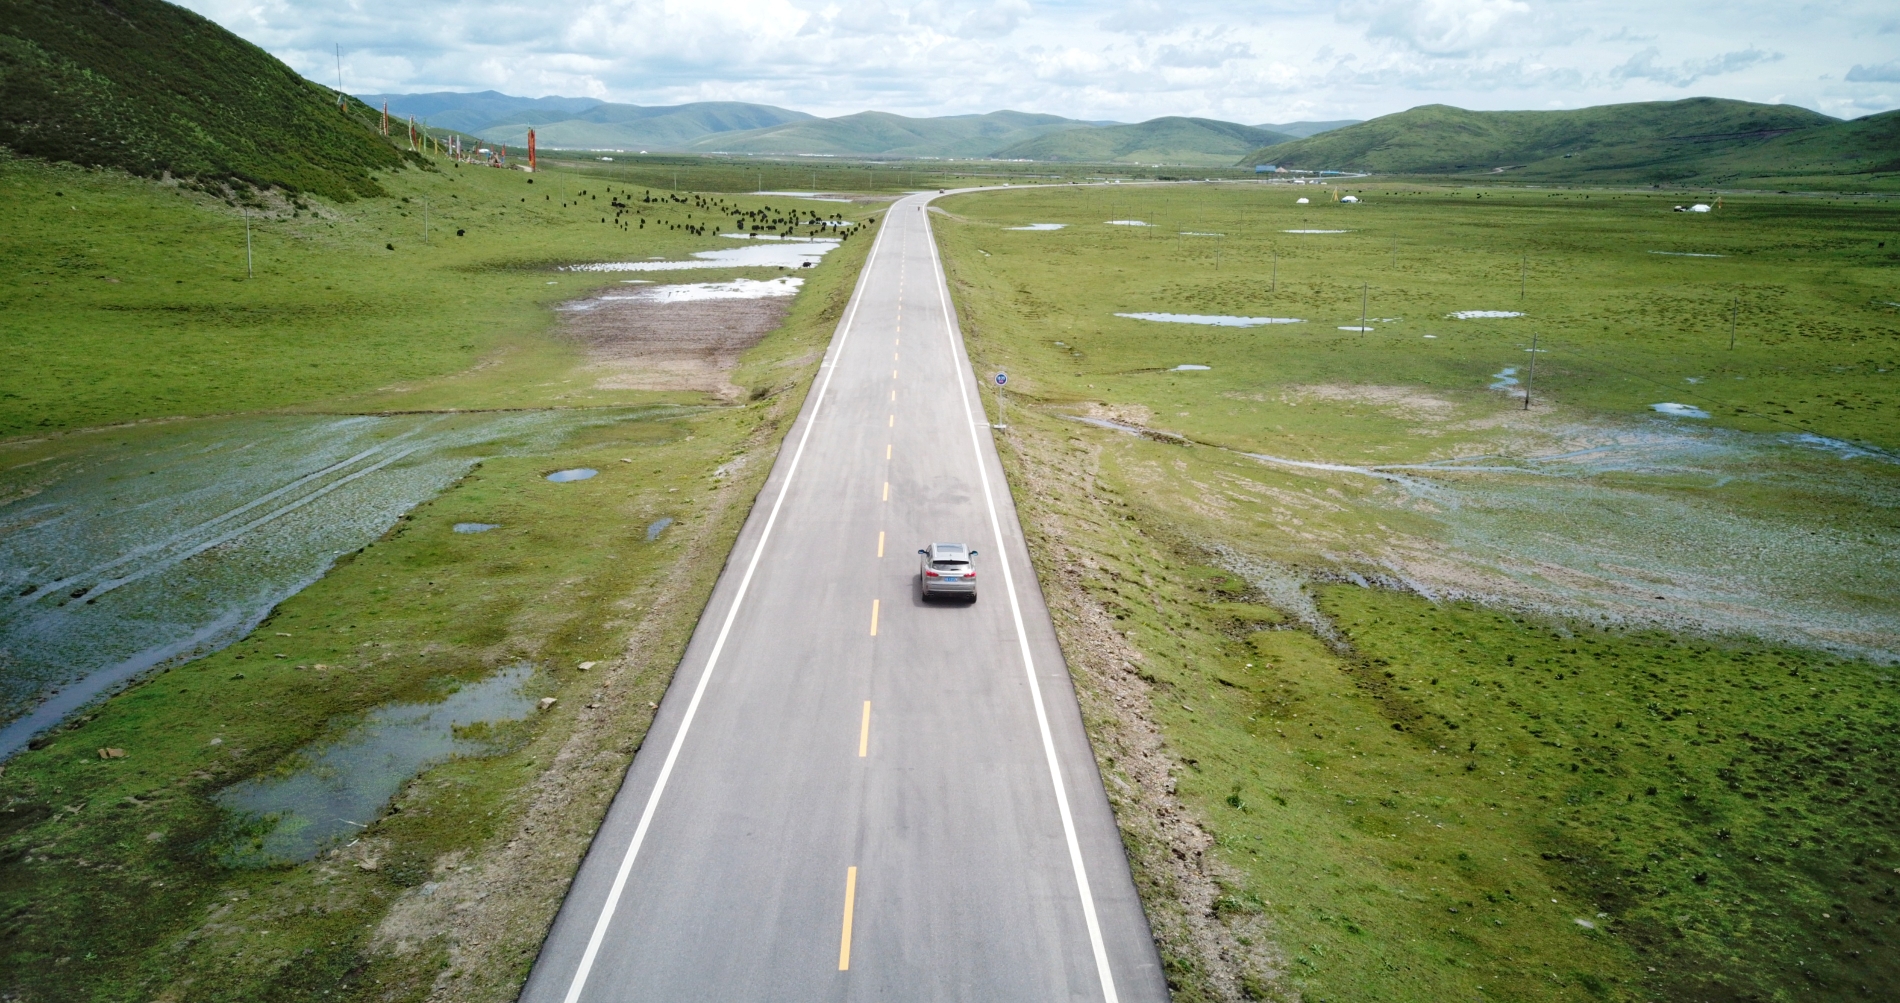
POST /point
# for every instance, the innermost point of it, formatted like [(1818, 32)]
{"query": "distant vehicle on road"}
[(947, 569)]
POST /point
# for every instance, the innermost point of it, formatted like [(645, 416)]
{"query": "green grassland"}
[(132, 299), (1704, 141), (112, 881), (1623, 317), (1424, 800)]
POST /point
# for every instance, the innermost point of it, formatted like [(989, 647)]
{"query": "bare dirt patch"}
[(1403, 402), (641, 344)]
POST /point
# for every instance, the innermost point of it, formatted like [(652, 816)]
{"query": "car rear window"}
[(949, 565)]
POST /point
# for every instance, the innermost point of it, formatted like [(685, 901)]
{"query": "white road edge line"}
[(692, 707), (1022, 637)]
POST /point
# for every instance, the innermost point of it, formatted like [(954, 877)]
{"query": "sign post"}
[(1001, 420)]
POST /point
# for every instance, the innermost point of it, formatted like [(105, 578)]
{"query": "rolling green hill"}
[(876, 133), (1170, 140), (1861, 148), (154, 89), (1653, 141)]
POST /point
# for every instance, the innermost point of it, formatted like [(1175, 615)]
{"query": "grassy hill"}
[(1163, 140), (152, 88), (1651, 141), (876, 133), (1861, 148)]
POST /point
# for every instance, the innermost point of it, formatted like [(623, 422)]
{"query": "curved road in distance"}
[(848, 794)]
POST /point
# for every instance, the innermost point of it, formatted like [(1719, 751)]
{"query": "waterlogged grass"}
[(1412, 803), (1807, 281), (114, 876)]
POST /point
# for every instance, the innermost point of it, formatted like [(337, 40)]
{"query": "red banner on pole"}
[(530, 151)]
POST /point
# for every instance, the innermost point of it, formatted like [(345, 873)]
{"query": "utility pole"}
[(1531, 376), (1734, 308), (1523, 273), (1276, 271), (339, 76), (1365, 295)]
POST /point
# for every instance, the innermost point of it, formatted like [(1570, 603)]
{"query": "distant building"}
[(1266, 169)]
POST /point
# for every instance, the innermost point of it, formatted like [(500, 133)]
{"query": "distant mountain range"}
[(739, 128), (1301, 130), (1196, 142), (1698, 139)]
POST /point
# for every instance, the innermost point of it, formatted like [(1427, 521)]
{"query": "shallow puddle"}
[(1128, 222), (1315, 231), (1483, 314), (330, 790), (1646, 522), (1504, 379), (780, 254), (807, 196), (1679, 410), (125, 549), (476, 527), (1190, 368), (1211, 320), (658, 526), (1038, 226), (576, 474), (1687, 254)]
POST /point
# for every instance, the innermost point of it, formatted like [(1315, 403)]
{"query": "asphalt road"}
[(849, 794)]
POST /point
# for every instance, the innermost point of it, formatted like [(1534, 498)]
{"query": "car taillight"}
[(932, 574), (969, 575)]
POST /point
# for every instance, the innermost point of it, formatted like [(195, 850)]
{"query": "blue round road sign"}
[(1002, 378)]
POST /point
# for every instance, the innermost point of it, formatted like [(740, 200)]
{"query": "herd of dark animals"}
[(763, 220)]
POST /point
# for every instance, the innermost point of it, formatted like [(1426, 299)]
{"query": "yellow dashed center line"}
[(887, 490), (864, 732), (874, 618), (892, 423), (850, 902), (880, 543)]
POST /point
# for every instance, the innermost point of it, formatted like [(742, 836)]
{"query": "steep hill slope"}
[(876, 133), (1661, 140), (1173, 139), (153, 88)]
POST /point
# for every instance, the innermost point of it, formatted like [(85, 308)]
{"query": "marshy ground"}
[(1406, 692)]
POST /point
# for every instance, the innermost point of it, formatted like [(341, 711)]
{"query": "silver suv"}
[(947, 569)]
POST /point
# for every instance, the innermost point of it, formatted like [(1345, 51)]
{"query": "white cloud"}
[(1443, 27), (1096, 59), (1885, 73), (1643, 66)]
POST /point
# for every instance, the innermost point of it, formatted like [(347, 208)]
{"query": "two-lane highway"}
[(849, 794)]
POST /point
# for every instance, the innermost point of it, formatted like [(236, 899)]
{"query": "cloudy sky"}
[(1100, 59)]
